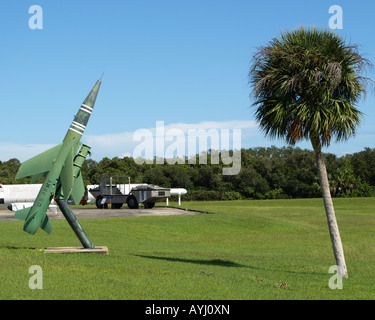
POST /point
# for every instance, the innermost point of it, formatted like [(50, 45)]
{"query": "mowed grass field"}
[(266, 249)]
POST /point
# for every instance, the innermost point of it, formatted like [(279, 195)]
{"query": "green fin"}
[(38, 176), (46, 225), (39, 164), (22, 214), (78, 189)]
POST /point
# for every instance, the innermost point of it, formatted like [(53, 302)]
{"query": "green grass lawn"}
[(266, 249)]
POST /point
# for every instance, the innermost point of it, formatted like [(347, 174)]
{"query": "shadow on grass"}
[(226, 263), (17, 248), (213, 262)]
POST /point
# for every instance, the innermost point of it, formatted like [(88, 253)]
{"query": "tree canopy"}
[(266, 173), (306, 83)]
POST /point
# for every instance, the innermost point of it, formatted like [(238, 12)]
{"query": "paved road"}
[(94, 213)]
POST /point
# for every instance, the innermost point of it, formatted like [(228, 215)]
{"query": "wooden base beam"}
[(98, 249)]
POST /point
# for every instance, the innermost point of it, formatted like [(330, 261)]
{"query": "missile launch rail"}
[(115, 191)]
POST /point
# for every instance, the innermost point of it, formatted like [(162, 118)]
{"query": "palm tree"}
[(306, 85)]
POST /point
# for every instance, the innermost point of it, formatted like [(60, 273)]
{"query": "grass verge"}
[(266, 249)]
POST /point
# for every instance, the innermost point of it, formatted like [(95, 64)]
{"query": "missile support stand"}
[(74, 224)]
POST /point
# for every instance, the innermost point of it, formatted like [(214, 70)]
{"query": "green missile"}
[(60, 166)]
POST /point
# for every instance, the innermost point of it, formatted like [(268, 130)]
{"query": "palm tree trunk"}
[(330, 211)]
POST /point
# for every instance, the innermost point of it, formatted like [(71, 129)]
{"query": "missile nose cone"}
[(82, 117), (91, 98)]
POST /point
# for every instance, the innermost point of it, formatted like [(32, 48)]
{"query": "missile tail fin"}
[(40, 164), (46, 225), (22, 214), (78, 189)]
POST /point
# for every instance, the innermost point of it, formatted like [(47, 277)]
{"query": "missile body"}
[(61, 167)]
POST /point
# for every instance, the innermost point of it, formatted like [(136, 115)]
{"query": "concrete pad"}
[(95, 213), (97, 249)]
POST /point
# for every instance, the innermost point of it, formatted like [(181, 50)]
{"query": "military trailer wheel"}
[(98, 203), (132, 202)]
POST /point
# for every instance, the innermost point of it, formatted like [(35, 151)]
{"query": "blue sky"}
[(181, 62)]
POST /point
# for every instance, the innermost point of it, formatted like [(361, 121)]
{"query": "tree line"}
[(266, 173)]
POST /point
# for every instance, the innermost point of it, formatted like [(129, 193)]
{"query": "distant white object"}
[(15, 206), (18, 193), (177, 192), (19, 196)]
